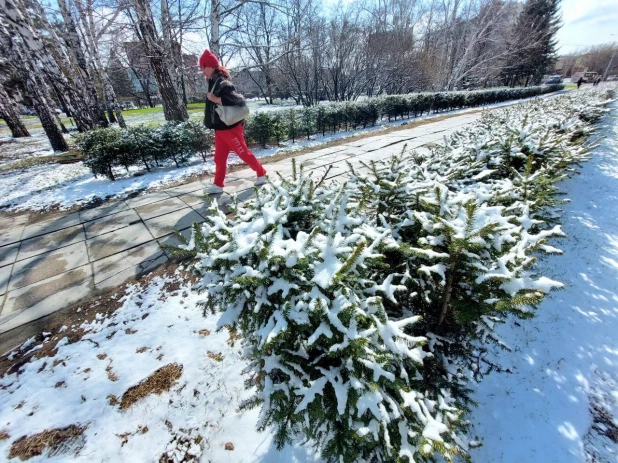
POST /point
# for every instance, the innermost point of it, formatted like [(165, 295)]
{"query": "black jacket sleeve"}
[(224, 89), (230, 97)]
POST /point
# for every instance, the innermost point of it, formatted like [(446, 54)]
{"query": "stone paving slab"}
[(184, 189), (103, 211), (51, 241), (166, 224), (117, 241), (115, 270), (324, 161), (48, 226), (149, 211), (39, 299), (11, 233), (196, 198), (134, 203), (239, 185), (5, 276), (8, 253), (110, 223), (37, 268), (172, 240)]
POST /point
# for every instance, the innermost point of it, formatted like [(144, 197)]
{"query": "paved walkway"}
[(48, 265)]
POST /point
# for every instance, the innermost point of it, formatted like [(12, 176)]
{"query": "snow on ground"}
[(63, 186), (563, 364), (155, 327), (565, 360)]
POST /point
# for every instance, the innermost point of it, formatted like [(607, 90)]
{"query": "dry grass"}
[(157, 383), (30, 446), (234, 336), (110, 374), (66, 158), (603, 422), (4, 435), (216, 356), (343, 141), (204, 332)]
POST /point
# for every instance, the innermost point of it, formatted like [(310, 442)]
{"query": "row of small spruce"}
[(108, 149), (366, 305)]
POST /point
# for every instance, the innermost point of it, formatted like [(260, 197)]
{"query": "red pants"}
[(233, 140)]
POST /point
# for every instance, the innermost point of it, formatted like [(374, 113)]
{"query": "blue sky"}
[(587, 22)]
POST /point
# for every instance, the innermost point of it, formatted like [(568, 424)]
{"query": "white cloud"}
[(587, 23)]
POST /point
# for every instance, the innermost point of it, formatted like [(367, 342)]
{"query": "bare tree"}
[(41, 59), (344, 76), (174, 108), (92, 32), (261, 45), (8, 112), (75, 46), (28, 71)]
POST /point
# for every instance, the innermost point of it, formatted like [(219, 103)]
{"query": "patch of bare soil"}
[(603, 421), (51, 439), (343, 141), (50, 329), (157, 383)]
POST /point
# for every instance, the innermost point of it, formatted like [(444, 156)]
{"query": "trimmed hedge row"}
[(105, 149), (264, 128)]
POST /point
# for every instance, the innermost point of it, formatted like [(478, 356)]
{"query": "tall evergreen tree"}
[(534, 38)]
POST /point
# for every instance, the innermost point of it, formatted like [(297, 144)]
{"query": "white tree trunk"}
[(75, 46), (28, 72), (173, 106), (8, 112), (12, 11)]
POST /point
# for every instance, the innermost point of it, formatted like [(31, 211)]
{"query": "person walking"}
[(580, 81), (228, 138)]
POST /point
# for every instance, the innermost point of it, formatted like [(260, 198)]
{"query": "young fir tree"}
[(295, 271)]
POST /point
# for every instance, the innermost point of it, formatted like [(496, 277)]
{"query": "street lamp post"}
[(610, 60)]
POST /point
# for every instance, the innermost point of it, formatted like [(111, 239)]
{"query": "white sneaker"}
[(261, 180), (214, 189)]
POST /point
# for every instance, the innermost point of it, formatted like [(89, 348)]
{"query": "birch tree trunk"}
[(23, 63), (173, 106), (91, 37), (214, 27), (8, 112), (75, 46), (12, 11)]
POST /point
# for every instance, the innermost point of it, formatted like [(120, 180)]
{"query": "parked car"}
[(553, 80), (28, 112)]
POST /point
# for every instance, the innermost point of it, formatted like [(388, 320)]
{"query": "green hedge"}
[(265, 128), (105, 149)]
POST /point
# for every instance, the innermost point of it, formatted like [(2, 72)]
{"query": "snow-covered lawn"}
[(558, 402), (84, 384)]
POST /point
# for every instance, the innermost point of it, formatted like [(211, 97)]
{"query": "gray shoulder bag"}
[(230, 115)]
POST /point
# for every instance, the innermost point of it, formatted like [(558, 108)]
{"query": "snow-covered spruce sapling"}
[(328, 363)]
